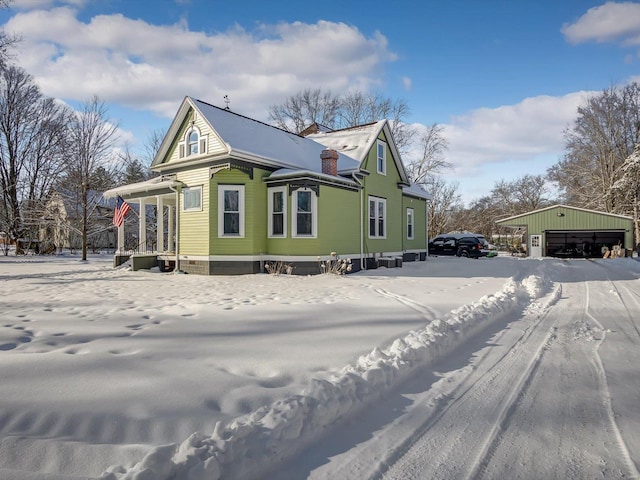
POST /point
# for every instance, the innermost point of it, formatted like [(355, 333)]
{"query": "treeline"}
[(600, 170), (47, 147)]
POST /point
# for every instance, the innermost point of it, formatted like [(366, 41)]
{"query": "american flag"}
[(121, 210)]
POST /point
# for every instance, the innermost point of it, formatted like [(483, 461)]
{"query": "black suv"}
[(459, 244)]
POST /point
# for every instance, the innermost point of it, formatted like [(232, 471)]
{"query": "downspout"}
[(362, 262), (428, 204), (173, 189)]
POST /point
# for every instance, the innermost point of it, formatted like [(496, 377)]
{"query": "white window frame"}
[(221, 212), (314, 214), (189, 143), (378, 202), (381, 160), (283, 191), (194, 190), (411, 223), (184, 146)]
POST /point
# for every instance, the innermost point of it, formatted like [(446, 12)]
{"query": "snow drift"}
[(252, 444)]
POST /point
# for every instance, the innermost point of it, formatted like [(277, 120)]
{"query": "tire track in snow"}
[(602, 377), (428, 312), (631, 294), (515, 396), (452, 430)]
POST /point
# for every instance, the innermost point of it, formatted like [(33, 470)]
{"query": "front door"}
[(536, 246)]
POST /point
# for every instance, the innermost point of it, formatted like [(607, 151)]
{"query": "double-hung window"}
[(377, 217), (192, 199), (382, 157), (231, 210), (410, 223), (278, 212), (193, 143), (304, 215)]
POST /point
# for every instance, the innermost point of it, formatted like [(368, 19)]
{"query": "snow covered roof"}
[(563, 206), (250, 139), (246, 137), (163, 182), (285, 173), (415, 190), (358, 141), (355, 141)]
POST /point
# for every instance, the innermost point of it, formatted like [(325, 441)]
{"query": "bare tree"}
[(7, 41), (32, 148), (603, 135), (92, 137), (522, 195), (431, 162), (152, 146), (628, 187), (305, 108), (446, 202), (354, 108)]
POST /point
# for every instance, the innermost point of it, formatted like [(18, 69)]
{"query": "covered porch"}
[(154, 242)]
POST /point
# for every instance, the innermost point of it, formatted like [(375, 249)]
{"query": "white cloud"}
[(32, 4), (407, 83), (153, 67), (606, 23), (513, 134)]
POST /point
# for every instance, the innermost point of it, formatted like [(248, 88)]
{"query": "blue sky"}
[(504, 78)]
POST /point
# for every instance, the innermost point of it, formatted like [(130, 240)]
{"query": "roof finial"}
[(227, 101)]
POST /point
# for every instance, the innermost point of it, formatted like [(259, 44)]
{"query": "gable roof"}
[(358, 141), (253, 140), (568, 207)]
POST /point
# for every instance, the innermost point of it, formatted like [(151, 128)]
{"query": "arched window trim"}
[(192, 146)]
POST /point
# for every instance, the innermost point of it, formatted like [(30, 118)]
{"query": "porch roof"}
[(153, 186)]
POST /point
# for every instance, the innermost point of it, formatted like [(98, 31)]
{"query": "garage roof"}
[(567, 207)]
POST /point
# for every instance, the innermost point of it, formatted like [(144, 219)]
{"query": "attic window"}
[(192, 143), (382, 158)]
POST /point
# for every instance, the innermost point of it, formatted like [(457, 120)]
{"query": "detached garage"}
[(571, 232)]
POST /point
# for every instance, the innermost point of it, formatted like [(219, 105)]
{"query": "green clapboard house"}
[(237, 194)]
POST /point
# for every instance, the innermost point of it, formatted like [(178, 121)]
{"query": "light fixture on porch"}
[(560, 214)]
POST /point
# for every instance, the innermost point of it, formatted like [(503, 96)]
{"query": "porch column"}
[(160, 224), (170, 227), (120, 239), (142, 237)]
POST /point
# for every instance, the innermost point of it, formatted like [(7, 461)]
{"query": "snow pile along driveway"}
[(257, 441)]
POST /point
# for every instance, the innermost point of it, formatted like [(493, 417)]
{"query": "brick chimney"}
[(329, 162)]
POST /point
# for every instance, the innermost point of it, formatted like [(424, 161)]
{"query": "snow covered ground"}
[(491, 368)]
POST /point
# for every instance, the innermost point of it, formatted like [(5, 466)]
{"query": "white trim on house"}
[(411, 215), (146, 187), (378, 202), (313, 213), (381, 161), (284, 258), (221, 190), (188, 190), (271, 213)]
